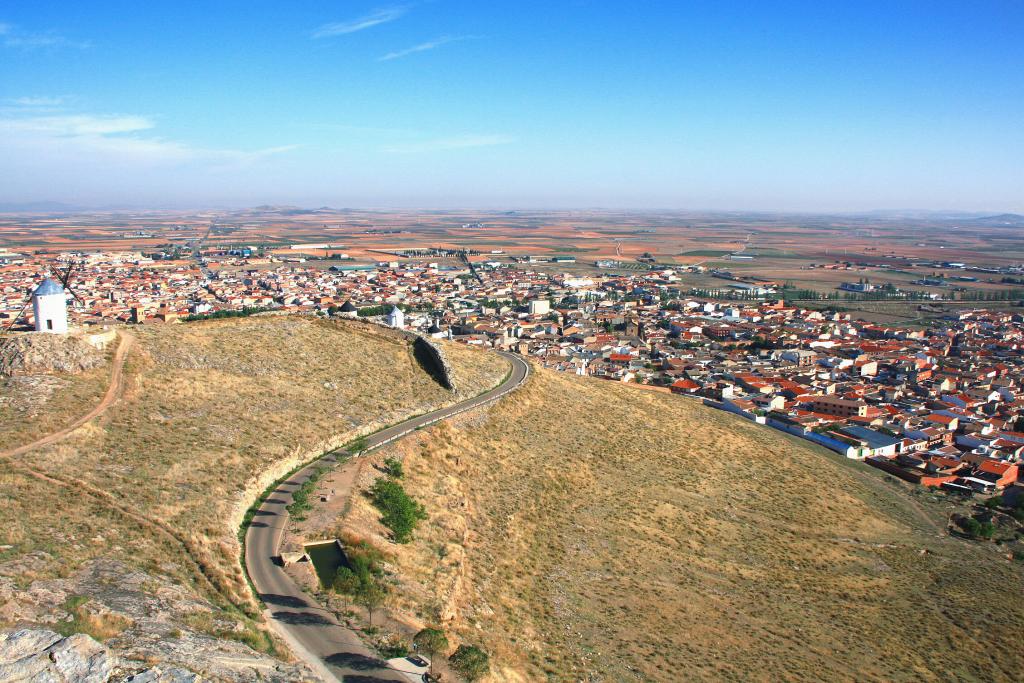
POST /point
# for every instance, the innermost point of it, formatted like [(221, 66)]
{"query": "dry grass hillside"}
[(583, 530), (211, 413), (35, 401)]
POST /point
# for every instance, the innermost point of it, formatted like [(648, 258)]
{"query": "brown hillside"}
[(583, 530), (211, 414)]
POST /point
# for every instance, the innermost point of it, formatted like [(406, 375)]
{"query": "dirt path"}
[(109, 398), (198, 567)]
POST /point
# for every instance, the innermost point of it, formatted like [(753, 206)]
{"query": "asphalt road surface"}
[(334, 651)]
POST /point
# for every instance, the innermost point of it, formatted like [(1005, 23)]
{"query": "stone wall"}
[(434, 356)]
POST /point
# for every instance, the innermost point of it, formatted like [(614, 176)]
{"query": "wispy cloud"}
[(80, 124), (39, 101), (16, 37), (449, 143), (422, 47), (341, 28), (113, 138)]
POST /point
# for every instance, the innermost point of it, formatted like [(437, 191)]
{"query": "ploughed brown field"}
[(583, 530), (780, 244)]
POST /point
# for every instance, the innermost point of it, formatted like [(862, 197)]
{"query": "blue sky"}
[(811, 106)]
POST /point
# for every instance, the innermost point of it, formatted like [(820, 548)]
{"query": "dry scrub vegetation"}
[(211, 413), (37, 403), (582, 530)]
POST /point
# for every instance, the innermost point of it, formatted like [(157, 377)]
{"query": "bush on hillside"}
[(401, 513), (393, 468), (470, 662)]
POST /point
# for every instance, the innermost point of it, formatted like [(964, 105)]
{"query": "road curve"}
[(334, 651)]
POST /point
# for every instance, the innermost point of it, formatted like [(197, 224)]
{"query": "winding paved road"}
[(334, 651)]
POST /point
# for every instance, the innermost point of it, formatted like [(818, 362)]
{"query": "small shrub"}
[(392, 646), (470, 662), (393, 468), (975, 529), (300, 499), (401, 513), (100, 626)]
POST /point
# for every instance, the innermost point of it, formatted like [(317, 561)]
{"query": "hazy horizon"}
[(787, 107), (54, 207)]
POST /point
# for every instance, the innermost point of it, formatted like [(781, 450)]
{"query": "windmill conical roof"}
[(47, 287)]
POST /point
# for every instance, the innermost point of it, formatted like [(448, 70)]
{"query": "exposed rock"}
[(31, 354), (165, 628), (43, 656), (160, 674)]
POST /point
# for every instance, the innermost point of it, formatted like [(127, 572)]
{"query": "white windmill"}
[(50, 306), (49, 301)]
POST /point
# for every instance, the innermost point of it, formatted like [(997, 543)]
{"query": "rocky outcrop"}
[(42, 656), (161, 674), (166, 632), (45, 656), (33, 354)]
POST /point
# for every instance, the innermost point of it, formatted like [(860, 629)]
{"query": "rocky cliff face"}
[(153, 631), (42, 656)]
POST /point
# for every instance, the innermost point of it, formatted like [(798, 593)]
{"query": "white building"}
[(540, 307), (50, 306), (396, 318)]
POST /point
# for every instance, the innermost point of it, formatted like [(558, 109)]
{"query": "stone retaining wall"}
[(436, 355)]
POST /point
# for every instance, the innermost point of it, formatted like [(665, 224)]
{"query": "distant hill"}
[(1012, 220), (585, 530), (39, 207)]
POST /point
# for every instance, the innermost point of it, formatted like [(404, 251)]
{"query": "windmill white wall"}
[(396, 318), (50, 305)]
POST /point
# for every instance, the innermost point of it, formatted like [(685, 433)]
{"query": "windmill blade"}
[(65, 280), (21, 314), (66, 277)]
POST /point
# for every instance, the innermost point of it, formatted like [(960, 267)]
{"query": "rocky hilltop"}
[(32, 354), (40, 655)]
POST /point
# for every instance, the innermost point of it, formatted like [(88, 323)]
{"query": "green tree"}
[(431, 641), (976, 529), (371, 596), (470, 662), (346, 582)]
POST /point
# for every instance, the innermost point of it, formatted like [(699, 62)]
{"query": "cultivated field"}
[(212, 412), (583, 530)]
